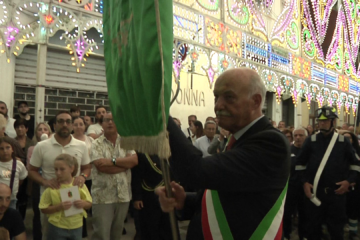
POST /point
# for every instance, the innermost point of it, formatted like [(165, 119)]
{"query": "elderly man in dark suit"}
[(245, 186)]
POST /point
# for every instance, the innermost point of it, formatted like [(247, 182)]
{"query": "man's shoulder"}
[(12, 214), (77, 142), (45, 143), (99, 140), (201, 139)]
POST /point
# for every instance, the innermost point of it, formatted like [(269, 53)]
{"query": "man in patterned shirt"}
[(111, 182)]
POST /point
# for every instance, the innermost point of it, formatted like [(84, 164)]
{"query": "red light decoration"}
[(49, 19)]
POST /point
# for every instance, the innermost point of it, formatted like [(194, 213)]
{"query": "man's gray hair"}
[(209, 122), (257, 86), (301, 128)]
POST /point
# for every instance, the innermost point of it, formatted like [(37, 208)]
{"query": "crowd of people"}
[(237, 176)]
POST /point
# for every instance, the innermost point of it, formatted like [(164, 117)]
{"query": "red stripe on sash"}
[(280, 231), (205, 220)]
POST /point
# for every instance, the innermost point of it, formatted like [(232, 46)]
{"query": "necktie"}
[(231, 142)]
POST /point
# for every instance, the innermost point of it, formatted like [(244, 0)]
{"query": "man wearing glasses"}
[(45, 152), (328, 166), (111, 182)]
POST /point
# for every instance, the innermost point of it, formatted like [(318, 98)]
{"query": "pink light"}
[(177, 66), (279, 90), (330, 101), (309, 95), (211, 74), (9, 34)]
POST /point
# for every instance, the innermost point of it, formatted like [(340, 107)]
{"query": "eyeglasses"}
[(108, 120), (62, 121)]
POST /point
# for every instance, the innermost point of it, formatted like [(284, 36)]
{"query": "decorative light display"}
[(334, 96), (330, 102), (211, 44), (339, 103), (99, 6), (233, 42), (295, 97), (308, 99), (301, 87), (320, 100), (279, 91), (354, 107), (343, 83), (300, 67), (79, 46), (214, 34), (10, 35), (270, 78), (347, 105), (287, 83)]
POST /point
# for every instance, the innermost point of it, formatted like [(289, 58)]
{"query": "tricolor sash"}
[(216, 227)]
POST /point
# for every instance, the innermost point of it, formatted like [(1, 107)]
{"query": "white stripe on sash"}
[(213, 222), (300, 167), (275, 225)]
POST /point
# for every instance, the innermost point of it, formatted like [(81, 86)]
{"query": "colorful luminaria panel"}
[(300, 67), (343, 83)]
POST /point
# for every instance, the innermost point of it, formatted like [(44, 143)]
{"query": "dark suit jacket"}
[(249, 178)]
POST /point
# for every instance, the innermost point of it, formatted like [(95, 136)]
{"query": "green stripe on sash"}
[(265, 224), (220, 216)]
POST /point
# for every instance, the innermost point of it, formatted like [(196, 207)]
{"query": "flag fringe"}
[(153, 145)]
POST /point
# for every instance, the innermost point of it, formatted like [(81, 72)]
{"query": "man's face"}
[(233, 107), (310, 128), (100, 113), (281, 125), (299, 137), (324, 124), (351, 129), (3, 109), (21, 131), (345, 127), (191, 120), (23, 109), (108, 124), (210, 130), (63, 125), (88, 121), (75, 114), (5, 198)]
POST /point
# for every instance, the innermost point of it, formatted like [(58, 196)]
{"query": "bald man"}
[(11, 223), (245, 186)]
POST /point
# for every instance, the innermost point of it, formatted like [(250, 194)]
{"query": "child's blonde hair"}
[(70, 161)]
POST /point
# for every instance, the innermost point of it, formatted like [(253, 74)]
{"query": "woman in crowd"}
[(197, 130), (42, 132), (21, 128), (12, 171), (288, 134), (79, 133)]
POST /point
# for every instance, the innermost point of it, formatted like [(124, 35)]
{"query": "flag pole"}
[(166, 176)]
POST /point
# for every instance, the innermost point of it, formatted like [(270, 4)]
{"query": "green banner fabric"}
[(138, 48)]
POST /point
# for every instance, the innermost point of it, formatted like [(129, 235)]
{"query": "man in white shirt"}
[(45, 152), (203, 142), (111, 179), (9, 130), (187, 131), (96, 129)]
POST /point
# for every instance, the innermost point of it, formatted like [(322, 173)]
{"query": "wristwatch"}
[(114, 161), (84, 175)]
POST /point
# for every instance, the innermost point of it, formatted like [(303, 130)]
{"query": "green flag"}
[(138, 46)]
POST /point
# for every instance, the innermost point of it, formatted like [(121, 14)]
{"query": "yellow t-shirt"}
[(52, 197)]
